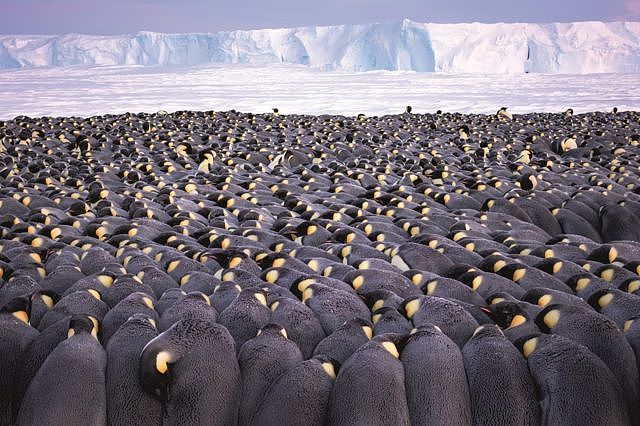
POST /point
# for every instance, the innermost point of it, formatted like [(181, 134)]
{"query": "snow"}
[(571, 48), (95, 90)]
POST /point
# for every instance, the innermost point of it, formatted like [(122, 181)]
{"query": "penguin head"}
[(630, 285), (410, 306), (604, 253), (328, 364), (601, 299), (507, 313), (79, 324), (392, 342), (19, 307), (528, 344), (548, 318)]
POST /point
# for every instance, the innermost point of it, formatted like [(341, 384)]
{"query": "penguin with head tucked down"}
[(262, 360), (345, 340), (369, 388), (300, 396), (247, 314), (35, 354), (300, 322), (192, 368), (451, 318), (127, 402), (574, 385), (15, 336), (69, 388), (602, 337), (500, 385), (435, 379)]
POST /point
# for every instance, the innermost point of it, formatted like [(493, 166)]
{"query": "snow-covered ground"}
[(92, 90)]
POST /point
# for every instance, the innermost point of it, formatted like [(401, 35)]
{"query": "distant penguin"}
[(503, 114), (127, 402), (501, 387), (172, 366), (300, 396), (69, 388), (262, 360), (369, 388), (574, 385), (435, 379)]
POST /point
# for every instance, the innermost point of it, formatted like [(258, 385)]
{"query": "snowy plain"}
[(296, 89)]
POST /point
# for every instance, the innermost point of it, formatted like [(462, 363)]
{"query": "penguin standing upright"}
[(369, 388), (300, 322), (500, 385), (127, 402), (435, 379), (69, 388), (300, 396), (15, 336), (574, 385), (602, 337), (262, 360), (192, 368)]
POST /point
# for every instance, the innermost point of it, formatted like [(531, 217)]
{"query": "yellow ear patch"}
[(47, 300), (162, 360), (307, 294), (607, 275), (416, 279), (519, 274), (633, 286), (412, 307), (272, 276), (357, 282), (552, 318), (172, 266), (605, 300), (274, 306), (235, 262), (105, 280), (582, 283), (261, 298), (391, 348), (147, 301), (529, 346), (517, 320), (22, 316), (368, 331), (278, 263), (328, 368), (627, 325), (499, 265), (477, 281), (94, 293), (545, 300), (557, 267)]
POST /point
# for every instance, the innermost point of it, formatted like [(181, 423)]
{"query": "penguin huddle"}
[(259, 269)]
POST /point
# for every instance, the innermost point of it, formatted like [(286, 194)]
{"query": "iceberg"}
[(518, 48)]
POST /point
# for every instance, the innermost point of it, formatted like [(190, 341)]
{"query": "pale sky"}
[(130, 16)]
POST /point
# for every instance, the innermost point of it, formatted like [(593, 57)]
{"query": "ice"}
[(94, 90), (571, 48)]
